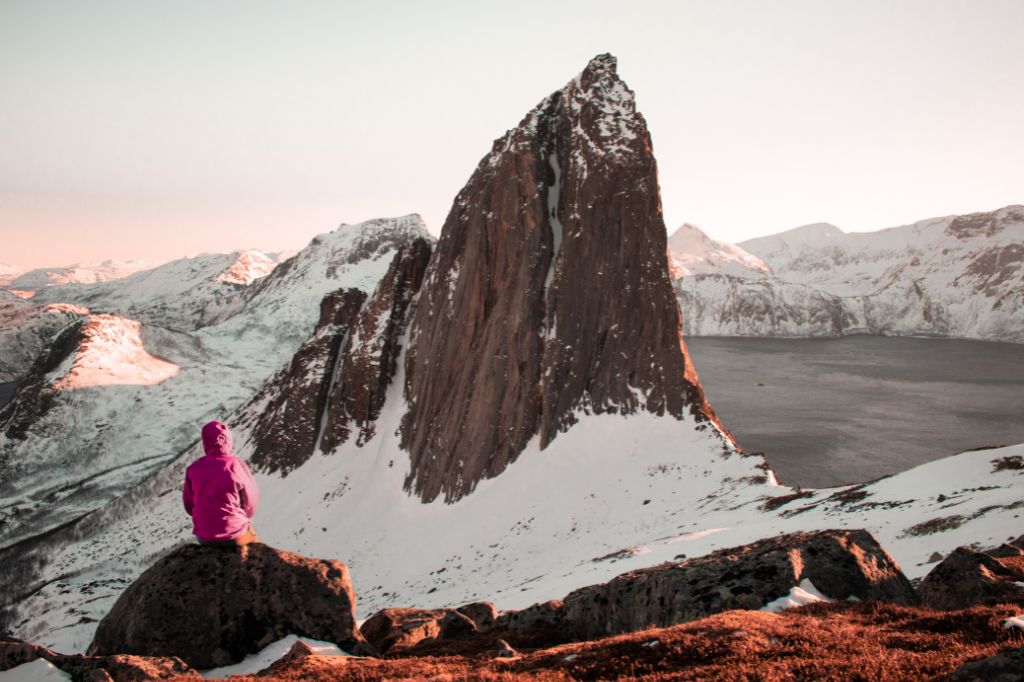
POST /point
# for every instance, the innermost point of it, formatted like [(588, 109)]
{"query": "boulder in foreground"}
[(212, 606)]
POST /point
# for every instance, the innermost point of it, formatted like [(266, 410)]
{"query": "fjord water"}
[(833, 411)]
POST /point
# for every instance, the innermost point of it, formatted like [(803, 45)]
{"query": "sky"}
[(155, 130)]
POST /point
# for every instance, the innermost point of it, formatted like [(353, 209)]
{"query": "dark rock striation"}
[(285, 433), (840, 564), (371, 352), (337, 381), (967, 578), (212, 606), (548, 293)]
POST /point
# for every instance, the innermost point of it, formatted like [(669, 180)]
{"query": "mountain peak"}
[(548, 295)]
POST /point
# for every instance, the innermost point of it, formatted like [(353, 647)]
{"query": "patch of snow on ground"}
[(38, 670), (803, 594), (272, 653), (1014, 622)]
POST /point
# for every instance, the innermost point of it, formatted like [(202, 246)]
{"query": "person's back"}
[(220, 493)]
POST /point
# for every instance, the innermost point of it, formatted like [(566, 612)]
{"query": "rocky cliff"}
[(548, 293)]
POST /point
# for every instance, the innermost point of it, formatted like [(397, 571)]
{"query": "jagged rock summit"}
[(548, 293), (211, 606)]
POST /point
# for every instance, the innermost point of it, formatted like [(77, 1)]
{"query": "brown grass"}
[(838, 641)]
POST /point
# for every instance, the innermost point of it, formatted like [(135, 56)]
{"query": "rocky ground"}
[(724, 616)]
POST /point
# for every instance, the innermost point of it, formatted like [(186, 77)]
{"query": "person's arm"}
[(186, 495), (248, 493)]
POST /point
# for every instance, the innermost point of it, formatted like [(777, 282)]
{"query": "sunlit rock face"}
[(548, 293)]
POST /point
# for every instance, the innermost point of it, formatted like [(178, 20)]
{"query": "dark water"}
[(832, 411), (6, 391)]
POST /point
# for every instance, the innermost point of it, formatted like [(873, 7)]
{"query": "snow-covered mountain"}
[(959, 276), (8, 273), (112, 398), (183, 294), (80, 273), (510, 419), (692, 252)]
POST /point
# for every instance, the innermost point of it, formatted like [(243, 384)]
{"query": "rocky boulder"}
[(396, 629), (212, 606), (841, 564), (966, 578)]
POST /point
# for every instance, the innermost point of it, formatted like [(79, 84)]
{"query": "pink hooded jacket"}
[(220, 493)]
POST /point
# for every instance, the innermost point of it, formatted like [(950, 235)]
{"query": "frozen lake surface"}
[(833, 411)]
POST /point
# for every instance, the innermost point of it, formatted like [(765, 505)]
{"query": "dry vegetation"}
[(840, 641)]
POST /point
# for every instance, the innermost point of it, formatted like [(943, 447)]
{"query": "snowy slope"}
[(8, 273), (40, 278), (114, 418), (959, 276)]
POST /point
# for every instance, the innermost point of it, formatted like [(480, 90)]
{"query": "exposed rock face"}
[(840, 563), (966, 578), (212, 606), (337, 380), (549, 292), (371, 352), (117, 668), (285, 433)]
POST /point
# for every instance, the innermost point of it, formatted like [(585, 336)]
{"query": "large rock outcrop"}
[(548, 292), (211, 606), (840, 563)]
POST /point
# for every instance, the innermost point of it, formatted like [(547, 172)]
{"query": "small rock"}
[(504, 650)]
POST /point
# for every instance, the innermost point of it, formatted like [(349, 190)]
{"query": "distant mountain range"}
[(957, 276)]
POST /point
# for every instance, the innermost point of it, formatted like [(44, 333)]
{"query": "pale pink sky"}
[(155, 130)]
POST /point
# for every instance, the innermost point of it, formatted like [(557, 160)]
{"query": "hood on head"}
[(217, 440)]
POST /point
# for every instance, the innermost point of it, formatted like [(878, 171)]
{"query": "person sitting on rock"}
[(220, 493)]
